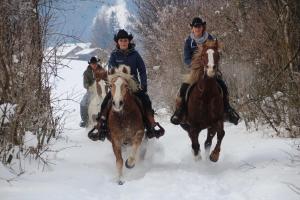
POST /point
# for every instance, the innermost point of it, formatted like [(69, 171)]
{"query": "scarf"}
[(201, 39)]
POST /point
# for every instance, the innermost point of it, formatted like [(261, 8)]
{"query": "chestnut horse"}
[(98, 91), (125, 119), (205, 107)]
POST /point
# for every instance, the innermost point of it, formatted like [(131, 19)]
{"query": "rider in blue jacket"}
[(125, 54), (197, 37)]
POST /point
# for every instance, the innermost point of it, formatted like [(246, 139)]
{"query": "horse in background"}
[(205, 108), (125, 120), (98, 91)]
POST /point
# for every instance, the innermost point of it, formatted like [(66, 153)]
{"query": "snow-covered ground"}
[(251, 166)]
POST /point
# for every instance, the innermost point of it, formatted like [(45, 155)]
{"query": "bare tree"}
[(24, 83)]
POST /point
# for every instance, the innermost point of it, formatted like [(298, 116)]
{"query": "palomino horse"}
[(205, 107), (98, 91), (125, 120)]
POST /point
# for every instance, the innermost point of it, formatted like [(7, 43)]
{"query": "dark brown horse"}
[(205, 103), (125, 119)]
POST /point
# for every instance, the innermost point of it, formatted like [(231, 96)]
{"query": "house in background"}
[(78, 51), (86, 54), (67, 50)]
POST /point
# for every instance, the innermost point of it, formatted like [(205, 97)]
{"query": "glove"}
[(144, 88)]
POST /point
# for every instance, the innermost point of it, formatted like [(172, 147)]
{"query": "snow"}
[(251, 165), (15, 59), (157, 67)]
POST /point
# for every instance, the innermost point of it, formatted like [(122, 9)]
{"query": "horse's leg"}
[(143, 148), (194, 134), (211, 132), (119, 161), (130, 162), (214, 156)]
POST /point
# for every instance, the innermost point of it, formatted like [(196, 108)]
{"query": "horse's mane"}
[(119, 72), (197, 66)]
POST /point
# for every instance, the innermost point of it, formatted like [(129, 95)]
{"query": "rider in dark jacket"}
[(197, 37), (125, 54)]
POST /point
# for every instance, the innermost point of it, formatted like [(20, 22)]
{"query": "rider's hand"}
[(144, 88)]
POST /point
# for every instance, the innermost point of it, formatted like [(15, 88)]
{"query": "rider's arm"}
[(112, 61), (188, 52), (142, 72)]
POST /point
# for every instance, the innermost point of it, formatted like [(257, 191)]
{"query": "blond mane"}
[(119, 72)]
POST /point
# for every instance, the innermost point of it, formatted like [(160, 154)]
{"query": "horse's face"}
[(211, 57), (102, 88), (101, 78), (100, 74), (119, 90)]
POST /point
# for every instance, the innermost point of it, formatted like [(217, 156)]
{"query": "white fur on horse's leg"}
[(207, 153), (120, 172), (131, 159), (143, 148), (197, 157), (94, 105), (120, 180)]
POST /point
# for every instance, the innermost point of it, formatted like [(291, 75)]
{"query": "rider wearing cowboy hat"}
[(197, 37), (125, 54), (88, 80)]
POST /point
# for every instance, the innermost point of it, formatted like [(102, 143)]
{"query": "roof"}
[(65, 49), (88, 51)]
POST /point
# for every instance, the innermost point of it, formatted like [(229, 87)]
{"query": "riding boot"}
[(153, 129), (232, 115), (180, 105), (103, 115), (103, 128)]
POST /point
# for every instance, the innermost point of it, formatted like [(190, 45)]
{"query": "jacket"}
[(132, 59), (190, 47)]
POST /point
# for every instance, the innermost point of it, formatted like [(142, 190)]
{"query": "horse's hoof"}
[(120, 182), (93, 136), (214, 157), (197, 157), (128, 166)]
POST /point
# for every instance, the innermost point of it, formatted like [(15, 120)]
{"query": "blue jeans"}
[(84, 104)]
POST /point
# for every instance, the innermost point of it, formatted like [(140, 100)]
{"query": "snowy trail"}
[(251, 166)]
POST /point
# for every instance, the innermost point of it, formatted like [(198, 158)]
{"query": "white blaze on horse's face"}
[(211, 63), (118, 102), (103, 90)]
